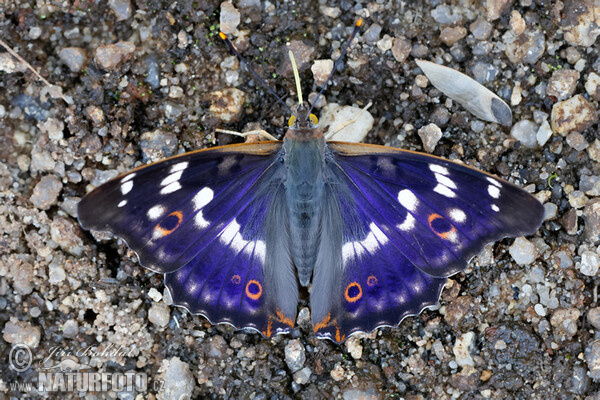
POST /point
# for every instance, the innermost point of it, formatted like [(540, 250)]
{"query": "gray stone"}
[(430, 136), (121, 8), (295, 355), (229, 18), (481, 29), (73, 57), (523, 251), (590, 185), (525, 132), (589, 263), (177, 380), (446, 15), (562, 83), (401, 48), (591, 215), (16, 332), (159, 314), (592, 358), (110, 56), (577, 141), (574, 114), (45, 193), (564, 321), (593, 317), (371, 35), (227, 104)]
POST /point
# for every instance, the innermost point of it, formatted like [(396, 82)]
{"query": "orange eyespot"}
[(253, 289), (440, 226), (236, 279), (313, 119), (292, 121), (372, 280), (353, 292), (168, 224)]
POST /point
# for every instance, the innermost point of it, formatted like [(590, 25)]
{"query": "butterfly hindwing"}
[(201, 218), (409, 221)]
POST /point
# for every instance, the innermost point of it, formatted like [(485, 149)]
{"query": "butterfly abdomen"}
[(304, 195)]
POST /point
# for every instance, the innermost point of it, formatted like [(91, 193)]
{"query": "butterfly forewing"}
[(201, 218), (420, 219)]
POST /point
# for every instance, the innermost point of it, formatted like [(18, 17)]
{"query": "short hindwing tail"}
[(411, 221)]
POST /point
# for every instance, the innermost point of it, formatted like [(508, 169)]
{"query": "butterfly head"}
[(302, 118)]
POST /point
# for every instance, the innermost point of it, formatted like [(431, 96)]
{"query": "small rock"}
[(590, 185), (121, 8), (358, 394), (95, 114), (577, 141), (562, 84), (450, 35), (303, 53), (463, 312), (227, 104), (337, 373), (22, 276), (523, 251), (156, 145), (109, 56), (35, 32), (462, 349), (580, 21), (591, 215), (577, 199), (302, 377), (526, 48), (550, 211), (544, 133), (564, 321), (66, 234), (430, 136), (331, 12), (574, 114), (354, 347), (216, 347), (589, 263), (159, 314), (517, 23), (385, 43), (56, 273), (73, 57), (593, 317), (45, 193), (229, 19), (446, 15), (466, 380), (16, 332), (481, 29), (295, 355), (177, 381), (155, 295), (175, 92), (563, 260), (321, 70), (495, 8), (540, 310), (10, 65), (371, 35), (401, 48), (592, 85), (53, 127), (592, 358), (334, 116), (525, 132)]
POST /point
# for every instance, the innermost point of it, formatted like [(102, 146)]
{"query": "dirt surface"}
[(520, 323)]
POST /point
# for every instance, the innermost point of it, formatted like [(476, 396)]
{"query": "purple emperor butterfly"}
[(375, 231)]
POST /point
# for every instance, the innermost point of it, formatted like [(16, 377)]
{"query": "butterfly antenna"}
[(338, 61), (261, 80)]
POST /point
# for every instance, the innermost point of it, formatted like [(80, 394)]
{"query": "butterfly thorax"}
[(304, 150)]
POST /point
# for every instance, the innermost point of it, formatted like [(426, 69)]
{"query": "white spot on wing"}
[(371, 243), (494, 191), (179, 166), (128, 177), (174, 177), (493, 181), (231, 236), (173, 187), (408, 199), (202, 198), (155, 212), (126, 187), (439, 169), (122, 203), (444, 190), (495, 208), (458, 215), (408, 223), (444, 180)]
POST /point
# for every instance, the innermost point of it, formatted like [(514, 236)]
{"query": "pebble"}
[(517, 23), (229, 19), (175, 92), (525, 132), (401, 48), (462, 349), (65, 232), (430, 136), (562, 83), (592, 358), (526, 48), (590, 185), (22, 277), (523, 251), (354, 347), (41, 161), (35, 32), (303, 53), (550, 211), (451, 35), (544, 133), (73, 57), (227, 104), (56, 273), (495, 8), (577, 141), (540, 310), (53, 127), (45, 193), (216, 347), (466, 380), (592, 85), (121, 8), (371, 35), (295, 355), (159, 314), (385, 43), (302, 377), (590, 262), (70, 328), (446, 15), (177, 381), (593, 317), (481, 29), (580, 26), (10, 65), (337, 373), (321, 70), (564, 321), (94, 114), (484, 72), (331, 12), (334, 116), (156, 145), (364, 394), (591, 215), (16, 332), (110, 56), (574, 114)]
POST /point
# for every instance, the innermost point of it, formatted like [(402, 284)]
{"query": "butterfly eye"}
[(313, 119), (292, 121)]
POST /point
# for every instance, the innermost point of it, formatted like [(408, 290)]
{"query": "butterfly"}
[(374, 231)]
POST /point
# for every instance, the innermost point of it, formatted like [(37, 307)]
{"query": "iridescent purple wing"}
[(408, 221), (201, 219)]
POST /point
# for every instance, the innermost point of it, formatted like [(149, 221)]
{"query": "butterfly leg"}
[(345, 124), (259, 132)]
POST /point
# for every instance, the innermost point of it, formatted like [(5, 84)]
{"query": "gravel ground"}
[(145, 80)]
